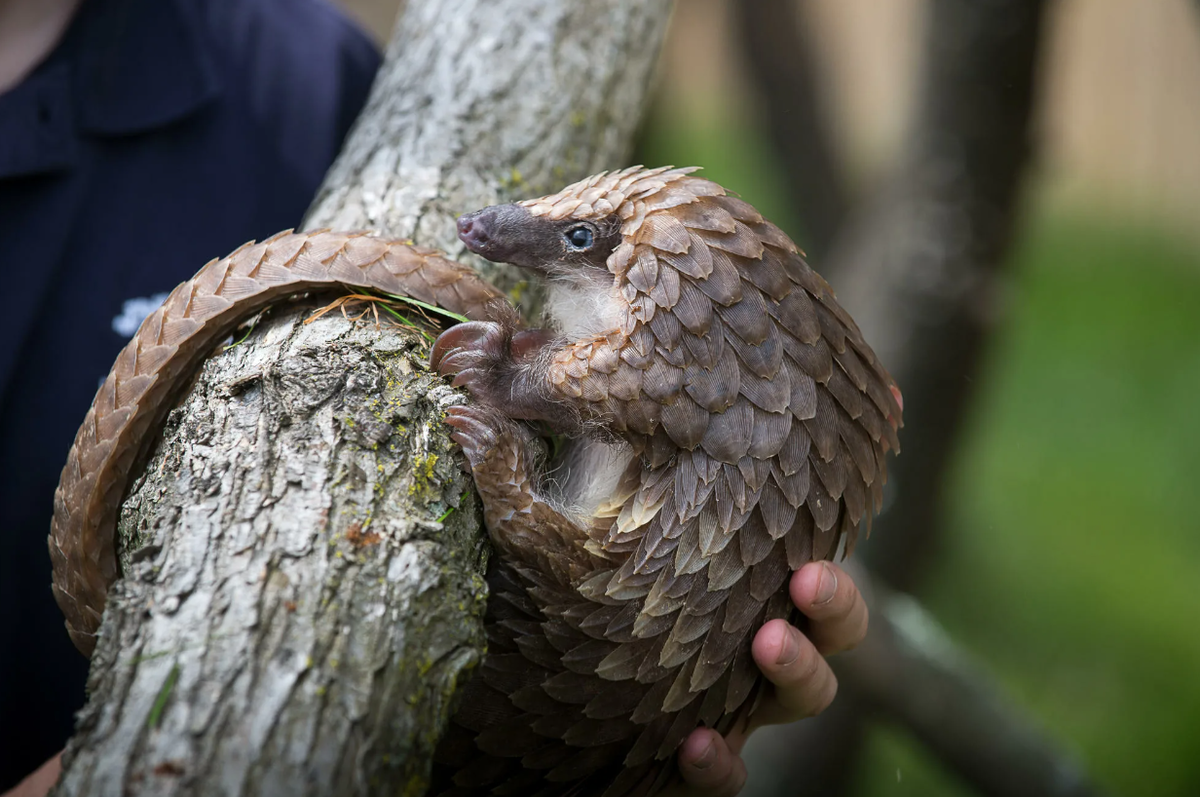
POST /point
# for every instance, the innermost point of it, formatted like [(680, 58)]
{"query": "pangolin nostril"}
[(473, 232)]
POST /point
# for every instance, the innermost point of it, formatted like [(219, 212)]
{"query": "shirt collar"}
[(123, 67)]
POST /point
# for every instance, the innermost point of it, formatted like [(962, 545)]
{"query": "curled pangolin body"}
[(759, 421), (130, 405)]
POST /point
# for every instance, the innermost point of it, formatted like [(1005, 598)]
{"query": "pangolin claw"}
[(463, 344), (477, 430)]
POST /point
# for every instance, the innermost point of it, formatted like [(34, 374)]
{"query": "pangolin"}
[(724, 423)]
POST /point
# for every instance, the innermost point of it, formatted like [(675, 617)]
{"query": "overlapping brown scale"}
[(858, 445), (667, 595), (728, 436), (642, 272), (535, 647), (755, 541), (686, 637), (772, 236), (854, 493), (814, 359), (803, 275), (715, 387), (677, 699), (693, 310), (796, 315), (665, 292), (766, 274), (664, 232), (662, 381), (831, 473), (770, 433), (823, 428), (696, 262), (755, 473), (741, 242), (739, 208), (624, 381), (723, 285), (771, 394), (824, 510), (709, 216), (802, 403), (684, 421), (848, 396), (747, 318), (668, 332), (726, 568), (851, 362), (715, 654)]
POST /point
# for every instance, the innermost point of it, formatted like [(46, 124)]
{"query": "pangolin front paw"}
[(475, 354), (477, 429)]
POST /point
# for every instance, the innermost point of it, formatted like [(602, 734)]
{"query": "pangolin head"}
[(584, 223)]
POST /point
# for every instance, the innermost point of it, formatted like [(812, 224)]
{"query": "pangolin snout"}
[(473, 232), (501, 233)]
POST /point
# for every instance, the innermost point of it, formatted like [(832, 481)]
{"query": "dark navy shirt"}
[(157, 135)]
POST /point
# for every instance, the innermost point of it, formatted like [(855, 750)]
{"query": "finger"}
[(828, 596), (709, 767), (804, 683), (40, 782)]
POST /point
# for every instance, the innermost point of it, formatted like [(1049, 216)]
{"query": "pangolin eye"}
[(579, 238)]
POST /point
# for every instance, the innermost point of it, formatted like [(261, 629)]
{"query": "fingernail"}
[(826, 585), (706, 758), (789, 651)]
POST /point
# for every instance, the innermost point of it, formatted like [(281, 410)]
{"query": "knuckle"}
[(843, 604), (824, 698), (805, 669), (808, 687), (860, 633)]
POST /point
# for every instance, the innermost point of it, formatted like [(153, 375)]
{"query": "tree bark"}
[(302, 556)]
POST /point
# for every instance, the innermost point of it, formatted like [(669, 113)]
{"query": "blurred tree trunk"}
[(302, 591), (776, 44), (922, 269)]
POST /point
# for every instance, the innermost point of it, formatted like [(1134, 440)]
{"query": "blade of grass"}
[(407, 322), (433, 308), (160, 702)]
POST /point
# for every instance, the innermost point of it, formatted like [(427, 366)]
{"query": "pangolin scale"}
[(726, 424)]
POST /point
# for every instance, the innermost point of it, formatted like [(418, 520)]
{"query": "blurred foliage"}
[(1071, 564)]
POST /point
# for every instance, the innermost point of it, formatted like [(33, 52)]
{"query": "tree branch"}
[(302, 558), (910, 671), (923, 269), (774, 40)]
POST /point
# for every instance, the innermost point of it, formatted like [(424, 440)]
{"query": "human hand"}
[(794, 664), (40, 782)]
